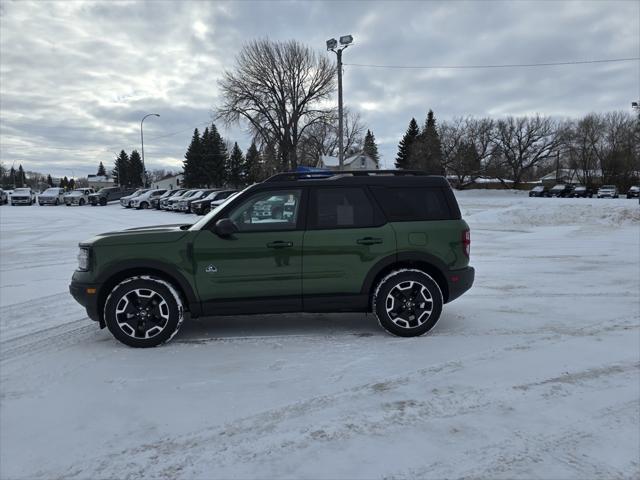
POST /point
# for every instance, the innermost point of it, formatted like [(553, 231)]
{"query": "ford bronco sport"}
[(388, 242)]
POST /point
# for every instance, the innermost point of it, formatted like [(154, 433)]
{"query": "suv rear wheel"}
[(143, 311), (103, 201), (407, 302)]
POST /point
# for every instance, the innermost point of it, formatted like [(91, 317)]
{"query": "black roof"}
[(359, 177)]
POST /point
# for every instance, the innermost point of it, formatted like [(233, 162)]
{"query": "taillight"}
[(466, 242)]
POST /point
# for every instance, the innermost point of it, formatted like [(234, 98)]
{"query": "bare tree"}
[(278, 89), (525, 143), (322, 137)]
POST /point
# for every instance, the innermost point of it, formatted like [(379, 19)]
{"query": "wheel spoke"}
[(409, 304)]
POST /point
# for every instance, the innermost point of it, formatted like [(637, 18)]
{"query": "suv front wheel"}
[(407, 302), (143, 311)]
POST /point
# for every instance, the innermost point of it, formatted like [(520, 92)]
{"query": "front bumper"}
[(46, 201), (79, 291), (21, 201), (459, 281)]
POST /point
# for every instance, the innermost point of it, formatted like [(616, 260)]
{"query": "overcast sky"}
[(77, 77)]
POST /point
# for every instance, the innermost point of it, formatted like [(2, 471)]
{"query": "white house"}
[(99, 181), (359, 161), (170, 182)]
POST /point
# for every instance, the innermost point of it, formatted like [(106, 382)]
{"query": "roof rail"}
[(279, 177)]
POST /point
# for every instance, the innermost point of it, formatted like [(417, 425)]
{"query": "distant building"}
[(99, 181), (569, 176), (170, 182), (359, 161)]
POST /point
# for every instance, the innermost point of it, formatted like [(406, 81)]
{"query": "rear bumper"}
[(459, 281), (78, 291)]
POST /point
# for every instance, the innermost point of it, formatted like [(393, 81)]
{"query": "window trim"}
[(378, 216)]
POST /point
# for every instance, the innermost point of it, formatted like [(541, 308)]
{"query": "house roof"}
[(329, 161)]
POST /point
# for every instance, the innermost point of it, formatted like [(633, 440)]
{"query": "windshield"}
[(138, 193), (204, 220), (558, 187), (538, 189), (51, 191), (608, 187), (77, 193), (22, 190), (581, 188)]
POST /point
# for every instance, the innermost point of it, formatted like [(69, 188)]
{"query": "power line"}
[(509, 65)]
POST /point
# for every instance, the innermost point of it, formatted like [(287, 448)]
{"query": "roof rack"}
[(279, 177)]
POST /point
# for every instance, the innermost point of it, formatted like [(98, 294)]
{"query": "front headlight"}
[(84, 257)]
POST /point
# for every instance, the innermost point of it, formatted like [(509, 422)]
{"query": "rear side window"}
[(413, 203), (341, 208)]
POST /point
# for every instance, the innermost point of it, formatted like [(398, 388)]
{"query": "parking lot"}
[(534, 372)]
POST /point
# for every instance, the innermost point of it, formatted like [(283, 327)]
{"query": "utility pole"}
[(144, 177), (332, 45)]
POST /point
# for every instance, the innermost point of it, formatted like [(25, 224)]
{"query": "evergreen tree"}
[(193, 159), (21, 177), (404, 147), (101, 171), (72, 183), (136, 170), (12, 176), (252, 165), (370, 147), (270, 162), (64, 182), (121, 170), (236, 172), (427, 152), (49, 180), (216, 158)]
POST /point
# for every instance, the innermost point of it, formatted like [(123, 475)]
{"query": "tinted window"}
[(413, 204), (341, 208), (268, 211)]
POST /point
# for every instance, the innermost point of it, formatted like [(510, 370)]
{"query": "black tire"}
[(81, 202), (165, 314), (103, 201), (144, 205), (423, 293)]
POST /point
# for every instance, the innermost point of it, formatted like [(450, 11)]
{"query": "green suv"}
[(388, 242)]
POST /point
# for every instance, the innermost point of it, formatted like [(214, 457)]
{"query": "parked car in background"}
[(155, 202), (126, 201), (23, 196), (539, 191), (582, 191), (203, 206), (561, 190), (51, 196), (79, 196), (634, 192), (172, 203), (144, 200), (184, 205), (163, 202), (4, 197), (608, 191), (109, 194)]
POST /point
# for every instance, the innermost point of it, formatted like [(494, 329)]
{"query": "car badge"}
[(211, 269)]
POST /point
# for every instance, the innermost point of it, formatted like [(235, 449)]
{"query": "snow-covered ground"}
[(534, 373)]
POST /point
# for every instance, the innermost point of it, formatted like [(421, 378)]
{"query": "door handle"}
[(368, 241), (279, 244)]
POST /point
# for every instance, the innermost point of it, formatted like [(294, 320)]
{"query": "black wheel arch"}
[(428, 263), (115, 274)]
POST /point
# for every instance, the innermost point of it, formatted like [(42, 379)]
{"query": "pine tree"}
[(216, 158), (12, 176), (427, 152), (370, 147), (64, 182), (21, 177), (252, 165), (404, 147), (72, 183), (121, 170), (136, 170), (49, 180), (101, 171), (270, 162), (193, 159), (236, 172)]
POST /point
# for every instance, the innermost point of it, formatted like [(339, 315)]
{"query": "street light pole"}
[(332, 44), (144, 178)]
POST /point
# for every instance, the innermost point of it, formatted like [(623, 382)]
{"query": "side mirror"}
[(225, 227)]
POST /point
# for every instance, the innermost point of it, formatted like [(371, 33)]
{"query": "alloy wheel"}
[(142, 313), (409, 304)]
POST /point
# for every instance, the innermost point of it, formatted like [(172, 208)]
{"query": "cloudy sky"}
[(75, 78)]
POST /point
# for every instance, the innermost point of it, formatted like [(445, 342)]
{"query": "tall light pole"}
[(332, 45), (144, 178)]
